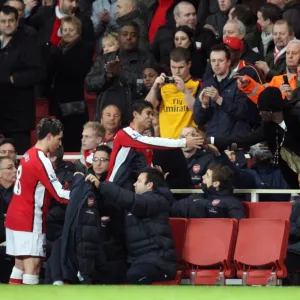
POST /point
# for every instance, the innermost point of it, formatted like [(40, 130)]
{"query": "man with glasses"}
[(7, 148)]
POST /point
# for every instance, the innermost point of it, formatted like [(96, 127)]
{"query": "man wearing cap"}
[(221, 106), (241, 67), (278, 130), (286, 83)]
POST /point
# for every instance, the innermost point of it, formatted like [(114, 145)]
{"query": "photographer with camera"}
[(174, 97)]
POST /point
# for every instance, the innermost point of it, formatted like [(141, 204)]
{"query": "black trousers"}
[(292, 262), (22, 140), (146, 273)]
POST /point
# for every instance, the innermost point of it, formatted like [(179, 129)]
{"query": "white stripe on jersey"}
[(155, 141), (39, 197), (120, 159)]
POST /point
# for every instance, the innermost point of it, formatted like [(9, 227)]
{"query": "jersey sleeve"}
[(48, 178), (130, 138)]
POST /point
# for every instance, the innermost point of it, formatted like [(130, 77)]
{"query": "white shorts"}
[(22, 243)]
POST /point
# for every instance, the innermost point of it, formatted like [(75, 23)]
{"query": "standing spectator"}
[(21, 68), (110, 43), (244, 14), (8, 148), (267, 15), (175, 100), (127, 11), (113, 76), (104, 19), (67, 93), (184, 14), (291, 13), (92, 136), (20, 7), (221, 106), (111, 121), (151, 250), (217, 21), (275, 63)]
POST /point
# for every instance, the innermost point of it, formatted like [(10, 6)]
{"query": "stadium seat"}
[(179, 230), (268, 210), (208, 250), (260, 251)]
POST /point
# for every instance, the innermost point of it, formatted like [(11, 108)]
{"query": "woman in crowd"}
[(71, 63), (110, 42)]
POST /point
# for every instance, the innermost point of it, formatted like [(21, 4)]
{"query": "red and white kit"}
[(127, 139), (25, 220)]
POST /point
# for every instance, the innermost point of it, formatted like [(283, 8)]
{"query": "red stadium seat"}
[(260, 251), (179, 230), (208, 250), (268, 210)]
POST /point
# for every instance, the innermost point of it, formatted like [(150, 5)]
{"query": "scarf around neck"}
[(56, 35)]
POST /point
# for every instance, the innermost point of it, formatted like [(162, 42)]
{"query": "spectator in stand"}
[(197, 159), (279, 121), (218, 200), (287, 82), (184, 38), (217, 21), (290, 12), (132, 150), (275, 63), (8, 175), (267, 15), (236, 29), (175, 100), (111, 121), (244, 14), (47, 22), (104, 19), (151, 250), (241, 67), (22, 26), (67, 93), (113, 76), (21, 68), (92, 136), (127, 12), (8, 148), (206, 8), (221, 106), (184, 15), (110, 43)]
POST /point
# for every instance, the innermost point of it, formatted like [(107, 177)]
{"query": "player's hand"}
[(93, 179), (212, 149), (194, 142), (242, 81), (158, 168)]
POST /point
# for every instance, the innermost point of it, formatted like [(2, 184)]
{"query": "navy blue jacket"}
[(148, 232), (229, 118)]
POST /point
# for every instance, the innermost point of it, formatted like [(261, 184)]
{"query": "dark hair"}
[(59, 154), (3, 158), (180, 54), (20, 1), (244, 14), (223, 174), (104, 148), (283, 21), (132, 24), (7, 10), (46, 126), (270, 11), (104, 107), (139, 106), (220, 48), (187, 30), (4, 141), (154, 176)]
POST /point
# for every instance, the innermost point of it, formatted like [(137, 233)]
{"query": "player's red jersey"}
[(35, 185)]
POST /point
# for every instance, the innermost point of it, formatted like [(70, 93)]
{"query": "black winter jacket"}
[(147, 229), (5, 198), (294, 239)]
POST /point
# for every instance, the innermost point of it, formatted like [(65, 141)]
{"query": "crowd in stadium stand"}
[(184, 93)]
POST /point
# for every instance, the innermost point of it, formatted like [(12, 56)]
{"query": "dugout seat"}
[(268, 210), (208, 250), (179, 230), (261, 250)]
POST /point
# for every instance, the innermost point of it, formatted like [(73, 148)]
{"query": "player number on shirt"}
[(17, 187)]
